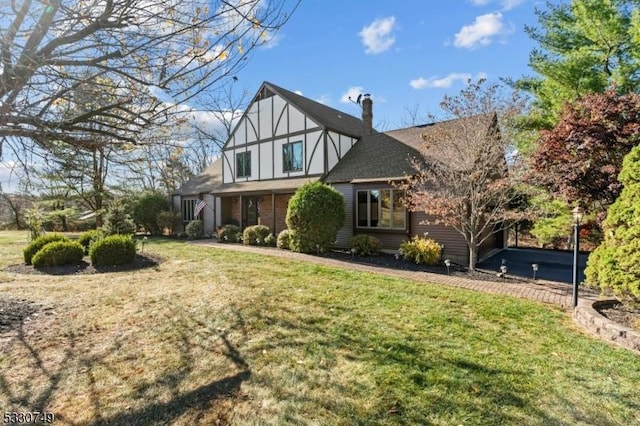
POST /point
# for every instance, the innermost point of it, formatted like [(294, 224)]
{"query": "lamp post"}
[(578, 212), (447, 263), (503, 272), (534, 266)]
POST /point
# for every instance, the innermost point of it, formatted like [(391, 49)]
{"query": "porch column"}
[(241, 213)]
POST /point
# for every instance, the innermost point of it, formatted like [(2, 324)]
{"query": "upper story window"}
[(292, 157), (243, 164), (381, 209)]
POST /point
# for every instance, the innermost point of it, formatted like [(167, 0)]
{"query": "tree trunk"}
[(473, 257)]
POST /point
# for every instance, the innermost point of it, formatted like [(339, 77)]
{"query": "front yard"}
[(214, 335)]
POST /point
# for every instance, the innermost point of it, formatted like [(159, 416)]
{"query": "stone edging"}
[(587, 315)]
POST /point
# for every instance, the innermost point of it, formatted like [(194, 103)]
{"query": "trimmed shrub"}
[(270, 240), (255, 235), (194, 229), (87, 238), (314, 216), (35, 246), (113, 250), (366, 245), (117, 220), (229, 234), (147, 209), (615, 264), (421, 250), (283, 240), (58, 253)]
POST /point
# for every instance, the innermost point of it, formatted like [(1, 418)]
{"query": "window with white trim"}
[(292, 157), (380, 209), (243, 164)]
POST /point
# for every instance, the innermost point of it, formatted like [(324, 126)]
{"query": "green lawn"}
[(213, 335)]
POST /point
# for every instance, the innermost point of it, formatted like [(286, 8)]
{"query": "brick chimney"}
[(367, 114)]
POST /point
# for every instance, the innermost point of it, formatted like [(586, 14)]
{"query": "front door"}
[(249, 211)]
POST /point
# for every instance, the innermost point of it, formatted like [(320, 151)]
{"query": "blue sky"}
[(405, 53)]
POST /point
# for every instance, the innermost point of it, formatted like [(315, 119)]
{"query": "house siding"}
[(455, 247), (346, 232)]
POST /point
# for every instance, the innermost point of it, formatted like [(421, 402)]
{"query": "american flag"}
[(200, 204)]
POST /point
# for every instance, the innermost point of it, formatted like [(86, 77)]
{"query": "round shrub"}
[(58, 253), (366, 245), (283, 240), (113, 250), (615, 264), (421, 250), (35, 245), (168, 220), (194, 229), (229, 234), (314, 216), (89, 237), (255, 235)]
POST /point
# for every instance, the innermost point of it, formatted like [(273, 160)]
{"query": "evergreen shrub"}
[(113, 250), (58, 253), (35, 245)]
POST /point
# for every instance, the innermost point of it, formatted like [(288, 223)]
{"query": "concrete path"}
[(559, 294)]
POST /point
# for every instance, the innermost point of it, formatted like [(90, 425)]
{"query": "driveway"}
[(552, 265)]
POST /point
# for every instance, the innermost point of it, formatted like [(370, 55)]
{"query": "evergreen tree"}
[(117, 220)]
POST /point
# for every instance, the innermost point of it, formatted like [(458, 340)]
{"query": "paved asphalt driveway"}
[(552, 265)]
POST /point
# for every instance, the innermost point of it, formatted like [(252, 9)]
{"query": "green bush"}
[(87, 238), (229, 234), (366, 245), (421, 250), (271, 240), (147, 209), (283, 240), (314, 216), (113, 250), (255, 235), (58, 253), (117, 220), (35, 246), (615, 264), (168, 220), (194, 229)]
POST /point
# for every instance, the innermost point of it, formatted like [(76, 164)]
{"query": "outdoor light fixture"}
[(534, 266), (503, 271), (144, 240), (578, 213), (447, 263), (353, 253)]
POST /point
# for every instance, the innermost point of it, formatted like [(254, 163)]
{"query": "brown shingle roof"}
[(386, 155), (205, 182), (325, 116)]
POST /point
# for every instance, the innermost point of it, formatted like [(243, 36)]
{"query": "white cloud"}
[(480, 2), (443, 82), (352, 92), (377, 37), (482, 31)]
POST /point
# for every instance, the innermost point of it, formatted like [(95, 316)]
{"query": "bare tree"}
[(463, 178), (154, 55)]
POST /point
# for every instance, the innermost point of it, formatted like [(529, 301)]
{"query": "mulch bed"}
[(14, 312), (626, 315), (390, 261), (141, 261)]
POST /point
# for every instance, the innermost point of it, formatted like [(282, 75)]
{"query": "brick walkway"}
[(558, 294)]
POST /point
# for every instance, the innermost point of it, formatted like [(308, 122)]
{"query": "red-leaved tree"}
[(580, 158)]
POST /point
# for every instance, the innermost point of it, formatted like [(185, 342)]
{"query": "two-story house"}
[(284, 140)]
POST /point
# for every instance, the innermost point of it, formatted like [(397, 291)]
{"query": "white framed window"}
[(243, 164), (380, 209), (292, 158)]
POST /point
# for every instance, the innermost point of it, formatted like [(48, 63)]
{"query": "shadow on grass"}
[(46, 382)]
